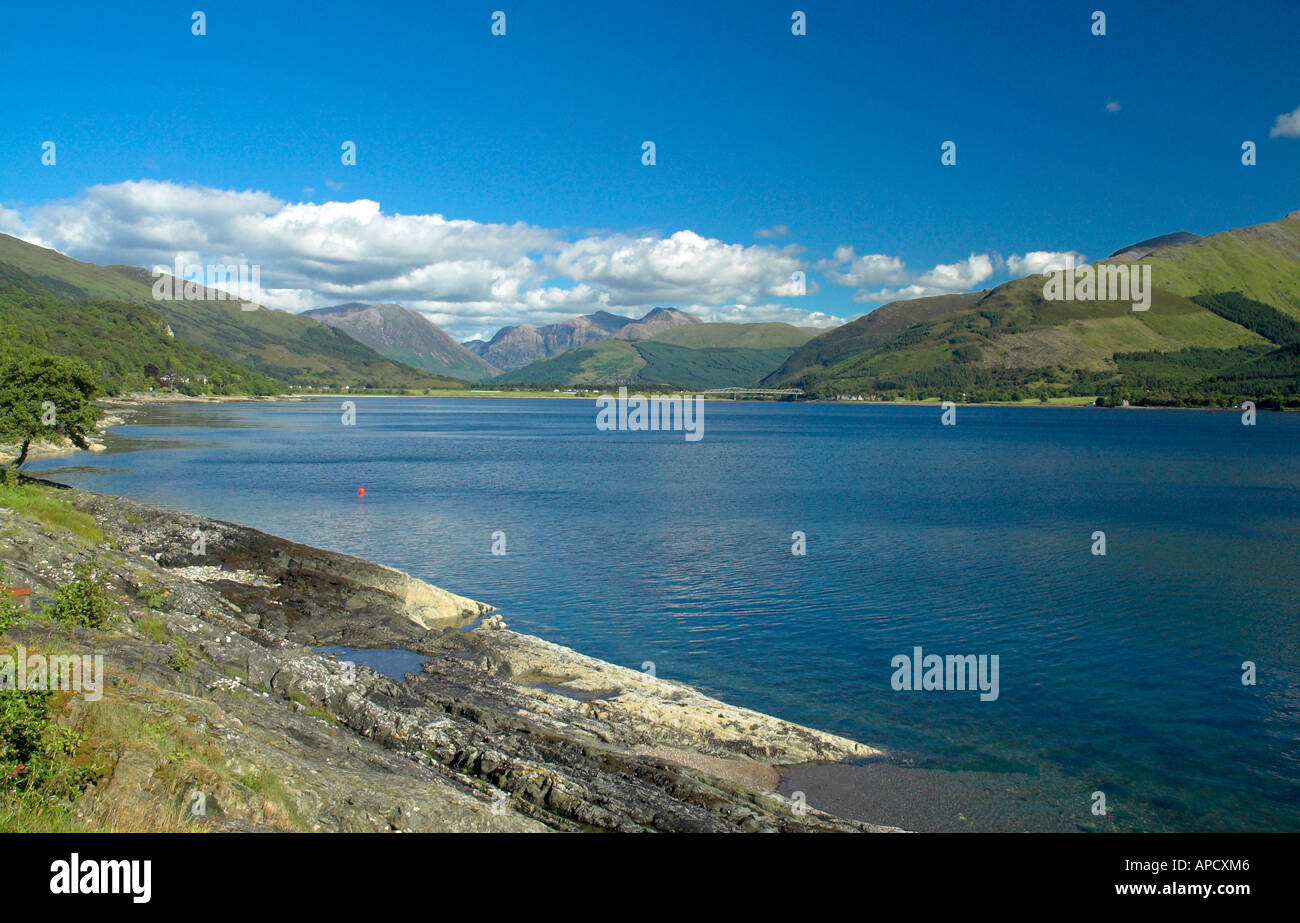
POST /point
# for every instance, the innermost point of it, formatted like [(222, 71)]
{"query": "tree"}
[(43, 396)]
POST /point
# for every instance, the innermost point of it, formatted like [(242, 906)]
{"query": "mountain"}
[(654, 323), (287, 347), (517, 346), (1144, 247), (691, 356), (1223, 325), (405, 336), (737, 336)]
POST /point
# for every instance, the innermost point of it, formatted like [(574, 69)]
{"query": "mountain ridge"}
[(405, 336), (285, 347), (518, 345), (1202, 341)]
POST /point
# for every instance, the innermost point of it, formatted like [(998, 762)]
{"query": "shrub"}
[(84, 602), (35, 753)]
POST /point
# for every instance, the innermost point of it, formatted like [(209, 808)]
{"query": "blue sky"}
[(834, 135)]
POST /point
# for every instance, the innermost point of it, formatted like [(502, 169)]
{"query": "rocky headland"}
[(228, 713)]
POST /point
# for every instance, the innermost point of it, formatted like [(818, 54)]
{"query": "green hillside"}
[(1221, 328), (1262, 262), (297, 349), (600, 363), (274, 344), (117, 340), (680, 367), (729, 336), (23, 265), (695, 356)]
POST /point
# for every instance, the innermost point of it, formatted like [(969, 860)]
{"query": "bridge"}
[(734, 393)]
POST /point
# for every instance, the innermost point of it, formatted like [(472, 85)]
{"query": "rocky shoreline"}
[(221, 642)]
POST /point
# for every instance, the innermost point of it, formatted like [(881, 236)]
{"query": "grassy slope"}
[(283, 346), (679, 367), (602, 362), (298, 349), (117, 339), (868, 331), (725, 336), (663, 361), (463, 371), (1261, 262), (1001, 342)]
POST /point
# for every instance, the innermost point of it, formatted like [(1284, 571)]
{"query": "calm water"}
[(1119, 673)]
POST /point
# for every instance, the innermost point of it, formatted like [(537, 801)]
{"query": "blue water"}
[(1119, 674), (391, 662)]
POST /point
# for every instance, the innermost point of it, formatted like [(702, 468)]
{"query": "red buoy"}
[(361, 491)]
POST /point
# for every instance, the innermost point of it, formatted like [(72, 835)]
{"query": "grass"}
[(310, 707), (186, 761), (276, 798), (152, 596), (151, 626), (731, 336), (32, 501)]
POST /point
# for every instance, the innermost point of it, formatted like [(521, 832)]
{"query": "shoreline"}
[(566, 741), (138, 400), (883, 793)]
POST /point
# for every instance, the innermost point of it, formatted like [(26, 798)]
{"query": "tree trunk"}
[(22, 456)]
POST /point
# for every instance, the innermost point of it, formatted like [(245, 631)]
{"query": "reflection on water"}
[(1118, 673)]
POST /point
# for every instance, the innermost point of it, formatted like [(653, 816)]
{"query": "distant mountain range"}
[(516, 347), (688, 356), (1223, 325), (406, 336)]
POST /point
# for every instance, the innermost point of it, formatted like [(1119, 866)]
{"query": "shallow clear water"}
[(1119, 674), (391, 662)]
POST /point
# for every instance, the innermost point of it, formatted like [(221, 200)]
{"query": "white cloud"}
[(868, 269), (1287, 125), (684, 267), (881, 278), (1037, 262), (773, 233), (766, 313), (905, 293), (1113, 106), (470, 275), (961, 276)]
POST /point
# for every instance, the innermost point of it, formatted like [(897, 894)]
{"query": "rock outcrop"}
[(221, 641)]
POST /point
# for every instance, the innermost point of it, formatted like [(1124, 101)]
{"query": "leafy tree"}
[(43, 396)]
